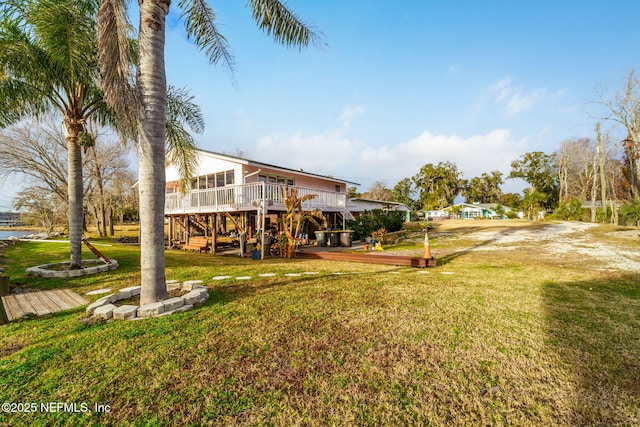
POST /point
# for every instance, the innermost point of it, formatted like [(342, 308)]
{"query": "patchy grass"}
[(489, 338)]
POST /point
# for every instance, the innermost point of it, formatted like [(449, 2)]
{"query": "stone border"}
[(104, 308), (43, 270)]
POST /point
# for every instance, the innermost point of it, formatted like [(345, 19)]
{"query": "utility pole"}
[(603, 184)]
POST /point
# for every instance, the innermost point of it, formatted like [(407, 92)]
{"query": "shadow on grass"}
[(446, 259), (232, 290), (593, 329)]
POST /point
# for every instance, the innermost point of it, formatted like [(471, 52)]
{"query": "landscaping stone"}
[(112, 298), (190, 285), (173, 303), (152, 309), (123, 294), (173, 286), (103, 308), (104, 312), (184, 308), (125, 312), (133, 290), (196, 296), (99, 291), (44, 270), (91, 308)]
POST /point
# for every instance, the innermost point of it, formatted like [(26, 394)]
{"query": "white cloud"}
[(515, 99), (332, 153), (350, 112)]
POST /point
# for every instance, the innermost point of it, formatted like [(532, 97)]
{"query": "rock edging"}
[(44, 269), (104, 308)]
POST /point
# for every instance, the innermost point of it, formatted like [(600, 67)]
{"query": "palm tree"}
[(48, 64), (200, 20), (47, 52)]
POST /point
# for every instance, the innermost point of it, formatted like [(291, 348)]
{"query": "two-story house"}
[(230, 195)]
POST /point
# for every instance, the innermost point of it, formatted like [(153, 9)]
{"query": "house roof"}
[(270, 166), (382, 202)]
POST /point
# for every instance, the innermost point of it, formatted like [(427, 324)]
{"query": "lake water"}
[(4, 234)]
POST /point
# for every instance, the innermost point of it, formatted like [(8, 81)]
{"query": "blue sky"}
[(402, 84), (397, 85)]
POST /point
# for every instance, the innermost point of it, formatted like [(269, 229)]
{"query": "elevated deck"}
[(247, 197)]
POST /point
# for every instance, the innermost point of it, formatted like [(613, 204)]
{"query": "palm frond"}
[(181, 108), (273, 17), (116, 63), (202, 28), (181, 152), (181, 147), (67, 29), (18, 100)]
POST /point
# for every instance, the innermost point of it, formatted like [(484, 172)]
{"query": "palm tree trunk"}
[(152, 88), (75, 199)]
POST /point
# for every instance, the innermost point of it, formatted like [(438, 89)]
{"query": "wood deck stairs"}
[(41, 303)]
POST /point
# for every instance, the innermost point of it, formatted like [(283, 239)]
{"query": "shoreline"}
[(21, 228)]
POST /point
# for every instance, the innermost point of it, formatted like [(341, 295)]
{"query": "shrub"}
[(571, 209), (376, 219), (629, 213)]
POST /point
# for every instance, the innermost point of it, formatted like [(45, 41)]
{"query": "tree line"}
[(601, 172)]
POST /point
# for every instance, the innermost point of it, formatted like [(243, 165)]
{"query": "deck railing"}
[(245, 197)]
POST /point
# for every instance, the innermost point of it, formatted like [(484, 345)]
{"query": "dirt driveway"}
[(618, 249)]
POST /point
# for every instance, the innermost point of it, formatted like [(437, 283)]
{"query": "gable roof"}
[(249, 162)]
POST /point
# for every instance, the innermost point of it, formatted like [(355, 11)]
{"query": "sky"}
[(393, 86)]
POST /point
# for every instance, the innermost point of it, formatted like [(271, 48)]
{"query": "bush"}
[(376, 219), (571, 209), (629, 213)]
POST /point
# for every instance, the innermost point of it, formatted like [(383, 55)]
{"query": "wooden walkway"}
[(41, 302), (369, 258)]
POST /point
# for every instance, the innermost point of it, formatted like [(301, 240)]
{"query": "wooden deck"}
[(370, 258), (41, 302)]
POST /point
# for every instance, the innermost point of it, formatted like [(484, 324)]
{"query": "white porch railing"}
[(245, 197)]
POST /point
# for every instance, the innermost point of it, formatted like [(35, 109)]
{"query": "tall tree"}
[(37, 152), (47, 64), (624, 109), (438, 185), (485, 188), (403, 192), (576, 174), (106, 164), (150, 95), (378, 191), (539, 170)]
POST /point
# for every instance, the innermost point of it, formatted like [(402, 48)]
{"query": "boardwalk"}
[(41, 302)]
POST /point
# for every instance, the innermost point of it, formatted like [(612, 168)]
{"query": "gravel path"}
[(566, 239)]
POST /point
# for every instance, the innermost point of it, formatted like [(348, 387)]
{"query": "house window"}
[(273, 179), (337, 188), (229, 177)]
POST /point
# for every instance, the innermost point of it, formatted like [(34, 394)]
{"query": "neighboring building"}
[(479, 210), (435, 215), (228, 193), (9, 219), (357, 206)]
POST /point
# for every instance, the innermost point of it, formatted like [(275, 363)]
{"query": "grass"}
[(503, 338)]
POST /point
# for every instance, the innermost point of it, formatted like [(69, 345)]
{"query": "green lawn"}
[(487, 338)]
